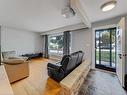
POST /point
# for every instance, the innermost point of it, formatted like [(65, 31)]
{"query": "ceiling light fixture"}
[(108, 6), (67, 11)]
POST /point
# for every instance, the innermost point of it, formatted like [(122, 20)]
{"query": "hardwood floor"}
[(5, 88), (38, 82)]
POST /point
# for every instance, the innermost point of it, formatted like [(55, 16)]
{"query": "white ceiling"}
[(34, 15), (45, 15), (92, 8)]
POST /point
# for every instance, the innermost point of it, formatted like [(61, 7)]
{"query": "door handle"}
[(125, 54), (120, 56)]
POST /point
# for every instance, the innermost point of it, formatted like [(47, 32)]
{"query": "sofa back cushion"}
[(72, 63), (6, 55), (80, 57), (65, 61)]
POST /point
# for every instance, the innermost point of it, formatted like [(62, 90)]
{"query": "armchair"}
[(17, 68)]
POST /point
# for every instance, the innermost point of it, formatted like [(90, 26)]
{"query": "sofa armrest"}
[(54, 66)]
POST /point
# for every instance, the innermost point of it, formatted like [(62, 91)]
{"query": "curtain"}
[(46, 54), (66, 48)]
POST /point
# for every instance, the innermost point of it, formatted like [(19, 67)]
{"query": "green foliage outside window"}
[(56, 42)]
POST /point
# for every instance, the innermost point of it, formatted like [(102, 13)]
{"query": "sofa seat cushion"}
[(13, 61)]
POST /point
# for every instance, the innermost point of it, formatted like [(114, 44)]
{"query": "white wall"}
[(106, 23), (82, 40), (21, 41)]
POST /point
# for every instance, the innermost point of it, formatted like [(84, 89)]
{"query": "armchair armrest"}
[(13, 61), (19, 57)]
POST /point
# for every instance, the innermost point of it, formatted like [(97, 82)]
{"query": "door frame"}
[(103, 66), (121, 71)]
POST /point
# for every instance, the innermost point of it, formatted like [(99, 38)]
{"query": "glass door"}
[(105, 49)]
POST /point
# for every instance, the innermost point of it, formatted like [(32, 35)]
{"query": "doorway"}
[(105, 49)]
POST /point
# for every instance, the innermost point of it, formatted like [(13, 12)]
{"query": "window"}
[(55, 44)]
